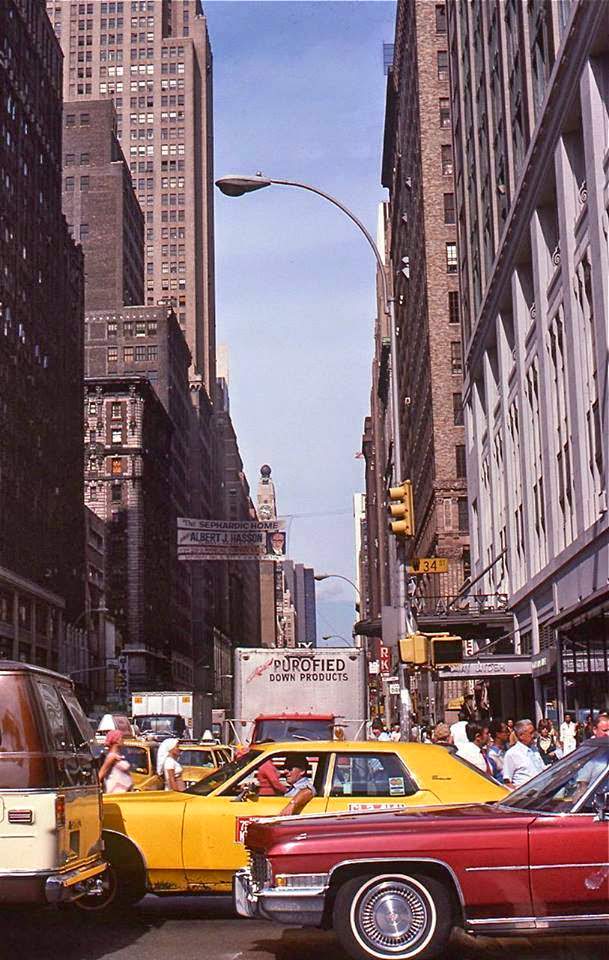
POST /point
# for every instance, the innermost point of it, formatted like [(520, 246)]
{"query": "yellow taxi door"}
[(372, 781), (214, 827)]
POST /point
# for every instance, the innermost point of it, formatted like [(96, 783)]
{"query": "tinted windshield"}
[(278, 730), (137, 757), (558, 788), (197, 758), (209, 784), (161, 723)]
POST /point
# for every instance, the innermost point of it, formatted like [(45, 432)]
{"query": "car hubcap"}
[(393, 917)]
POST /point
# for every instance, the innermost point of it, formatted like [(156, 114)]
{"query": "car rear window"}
[(197, 758), (22, 762)]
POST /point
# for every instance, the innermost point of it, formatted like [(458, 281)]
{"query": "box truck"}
[(299, 694), (163, 713)]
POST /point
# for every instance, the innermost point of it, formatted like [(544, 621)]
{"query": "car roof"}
[(15, 666), (295, 716), (353, 746)]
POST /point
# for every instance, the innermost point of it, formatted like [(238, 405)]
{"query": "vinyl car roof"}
[(15, 666)]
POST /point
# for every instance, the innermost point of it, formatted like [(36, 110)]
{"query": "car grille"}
[(261, 870)]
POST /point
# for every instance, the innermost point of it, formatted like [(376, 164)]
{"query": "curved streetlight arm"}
[(358, 223), (337, 576)]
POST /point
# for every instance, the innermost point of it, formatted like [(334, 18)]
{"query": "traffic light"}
[(401, 509), (445, 649), (414, 649)]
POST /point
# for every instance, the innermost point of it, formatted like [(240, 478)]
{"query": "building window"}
[(85, 119), (460, 465), (112, 354), (141, 353), (92, 409), (84, 183), (117, 492), (444, 105), (70, 120), (456, 358), (453, 306), (69, 183), (84, 159), (116, 411), (457, 409), (116, 435), (440, 18), (128, 354), (83, 232), (152, 328), (153, 352), (463, 515), (451, 258), (449, 208), (70, 158), (442, 65), (112, 328), (140, 329), (447, 159), (117, 466), (128, 328)]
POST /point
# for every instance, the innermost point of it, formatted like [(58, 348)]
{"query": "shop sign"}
[(495, 667), (543, 662)]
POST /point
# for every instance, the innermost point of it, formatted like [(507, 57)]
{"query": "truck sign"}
[(330, 682)]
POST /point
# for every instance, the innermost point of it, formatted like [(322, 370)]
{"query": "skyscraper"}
[(42, 536), (153, 58)]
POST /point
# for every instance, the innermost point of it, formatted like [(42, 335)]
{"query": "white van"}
[(50, 798)]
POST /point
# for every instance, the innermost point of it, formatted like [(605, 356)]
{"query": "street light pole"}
[(237, 186), (337, 576)]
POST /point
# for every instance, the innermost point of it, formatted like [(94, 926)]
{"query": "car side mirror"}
[(248, 792), (601, 806)]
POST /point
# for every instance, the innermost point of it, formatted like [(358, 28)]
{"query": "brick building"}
[(128, 485), (101, 207), (41, 297), (153, 59), (147, 343), (417, 171), (530, 94)]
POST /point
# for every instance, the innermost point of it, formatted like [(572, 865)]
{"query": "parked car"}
[(50, 819), (392, 885), (200, 759), (141, 754), (193, 842)]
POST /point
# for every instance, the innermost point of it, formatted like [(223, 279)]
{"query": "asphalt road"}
[(205, 928)]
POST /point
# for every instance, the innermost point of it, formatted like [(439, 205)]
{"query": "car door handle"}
[(437, 777)]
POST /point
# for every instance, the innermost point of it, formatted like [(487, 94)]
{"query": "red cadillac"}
[(393, 884)]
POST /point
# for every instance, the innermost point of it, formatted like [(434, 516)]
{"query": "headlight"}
[(301, 881)]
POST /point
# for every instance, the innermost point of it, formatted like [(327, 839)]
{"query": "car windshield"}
[(137, 757), (210, 783), (276, 731), (558, 788), (169, 724), (197, 758)]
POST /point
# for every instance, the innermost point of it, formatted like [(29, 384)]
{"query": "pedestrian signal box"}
[(446, 649), (414, 649), (401, 509)]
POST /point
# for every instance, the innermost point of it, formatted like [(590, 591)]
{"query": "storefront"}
[(584, 653)]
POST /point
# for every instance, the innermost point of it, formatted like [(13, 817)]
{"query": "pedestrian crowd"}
[(512, 752)]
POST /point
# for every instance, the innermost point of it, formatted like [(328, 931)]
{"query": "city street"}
[(198, 927)]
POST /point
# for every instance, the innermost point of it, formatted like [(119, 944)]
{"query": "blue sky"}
[(299, 94)]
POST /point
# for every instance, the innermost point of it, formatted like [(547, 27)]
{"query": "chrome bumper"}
[(64, 887), (303, 908)]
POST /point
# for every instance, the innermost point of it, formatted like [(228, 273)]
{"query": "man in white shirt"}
[(458, 732), (477, 739), (522, 761), (568, 735)]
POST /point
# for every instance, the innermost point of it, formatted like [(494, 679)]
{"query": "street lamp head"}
[(321, 576), (236, 186)]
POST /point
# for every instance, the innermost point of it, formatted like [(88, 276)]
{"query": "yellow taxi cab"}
[(141, 754), (174, 842), (200, 759)]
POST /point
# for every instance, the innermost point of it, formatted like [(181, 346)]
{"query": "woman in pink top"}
[(114, 771)]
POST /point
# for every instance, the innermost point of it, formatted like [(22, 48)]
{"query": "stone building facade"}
[(101, 207), (154, 61), (41, 307), (530, 113)]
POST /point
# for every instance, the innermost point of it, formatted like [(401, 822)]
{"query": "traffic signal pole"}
[(236, 186)]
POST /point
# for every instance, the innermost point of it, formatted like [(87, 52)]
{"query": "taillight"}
[(60, 811), (20, 816)]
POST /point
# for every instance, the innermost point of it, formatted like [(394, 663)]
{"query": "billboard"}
[(230, 540)]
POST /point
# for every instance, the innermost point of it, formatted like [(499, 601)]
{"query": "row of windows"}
[(141, 328), (83, 161), (140, 354), (69, 183)]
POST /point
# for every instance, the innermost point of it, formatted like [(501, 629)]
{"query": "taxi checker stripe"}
[(539, 866)]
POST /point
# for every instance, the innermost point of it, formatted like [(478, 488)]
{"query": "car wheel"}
[(393, 916)]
